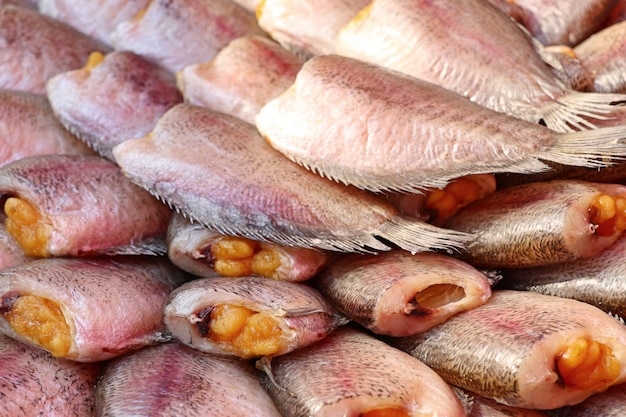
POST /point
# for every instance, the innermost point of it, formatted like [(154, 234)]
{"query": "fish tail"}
[(577, 110), (595, 148), (417, 236)]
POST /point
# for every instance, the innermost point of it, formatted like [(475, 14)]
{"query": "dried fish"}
[(205, 253), (216, 170), (87, 309), (398, 294), (610, 403), (542, 223), (33, 383), (113, 98), (79, 205), (34, 47), (526, 350), (470, 47), (485, 407), (171, 379), (377, 129), (248, 316), (11, 252), (364, 377), (242, 78)]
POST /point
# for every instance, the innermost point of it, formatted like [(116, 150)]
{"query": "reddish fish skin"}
[(171, 379), (33, 383), (36, 47), (216, 170), (93, 18), (242, 77), (112, 304), (29, 127), (202, 26), (10, 251), (93, 207), (552, 224), (381, 292), (120, 98)]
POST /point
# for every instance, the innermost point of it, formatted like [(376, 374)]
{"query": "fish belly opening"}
[(237, 257), (587, 365), (28, 226), (434, 297), (608, 214), (386, 412)]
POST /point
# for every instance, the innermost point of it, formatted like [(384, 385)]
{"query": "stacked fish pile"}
[(383, 208)]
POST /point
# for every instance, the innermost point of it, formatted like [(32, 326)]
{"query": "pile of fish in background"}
[(381, 208)]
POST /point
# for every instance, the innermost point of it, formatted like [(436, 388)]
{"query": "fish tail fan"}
[(418, 236), (595, 148), (577, 110)]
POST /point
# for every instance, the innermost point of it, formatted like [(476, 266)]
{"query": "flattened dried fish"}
[(377, 129), (398, 294), (526, 350), (248, 316), (218, 171), (87, 309)]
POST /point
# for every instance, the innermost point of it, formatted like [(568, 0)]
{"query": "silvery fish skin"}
[(94, 18), (242, 78), (80, 205), (216, 170), (29, 127), (485, 407), (603, 55), (390, 131), (202, 26), (508, 349), (171, 379), (610, 403), (11, 252), (301, 313), (189, 246), (564, 22), (598, 280), (109, 305), (33, 383), (471, 48), (535, 224), (307, 28), (363, 374), (118, 98), (398, 294), (35, 47)]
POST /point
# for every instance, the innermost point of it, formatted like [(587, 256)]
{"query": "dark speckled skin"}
[(173, 380)]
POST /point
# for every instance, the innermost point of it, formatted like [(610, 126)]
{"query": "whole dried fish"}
[(542, 223), (171, 379), (34, 47), (87, 309), (113, 98), (202, 26), (526, 350), (399, 294), (377, 129), (205, 253), (242, 78), (470, 47), (79, 205), (248, 316), (216, 170), (33, 383), (364, 377)]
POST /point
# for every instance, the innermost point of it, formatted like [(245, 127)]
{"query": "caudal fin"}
[(577, 110)]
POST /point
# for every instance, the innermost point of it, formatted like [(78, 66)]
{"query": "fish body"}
[(11, 252), (216, 170), (108, 306), (118, 98), (510, 350), (474, 49), (35, 47), (362, 374), (171, 379), (398, 294), (389, 131), (610, 403), (242, 78)]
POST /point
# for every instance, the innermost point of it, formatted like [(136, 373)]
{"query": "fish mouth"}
[(433, 298)]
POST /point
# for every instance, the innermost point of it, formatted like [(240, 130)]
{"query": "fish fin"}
[(466, 397), (493, 276), (264, 364), (617, 318), (417, 236), (594, 148), (574, 110), (151, 246)]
